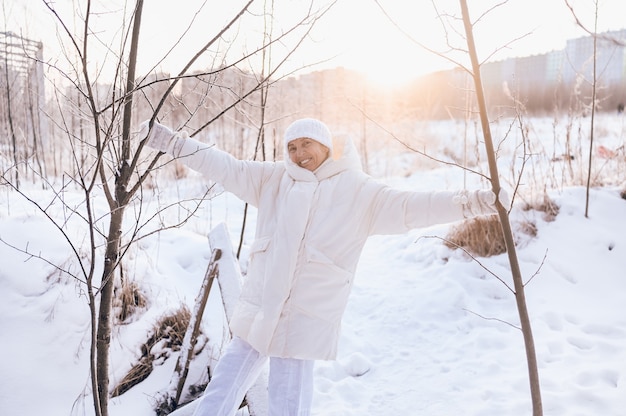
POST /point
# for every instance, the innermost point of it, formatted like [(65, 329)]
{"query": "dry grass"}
[(127, 300), (547, 206), (483, 237), (167, 334), (528, 227), (138, 373), (480, 236)]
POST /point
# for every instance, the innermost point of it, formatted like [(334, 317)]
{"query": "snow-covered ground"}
[(428, 331)]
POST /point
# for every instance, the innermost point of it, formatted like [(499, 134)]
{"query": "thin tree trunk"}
[(93, 348), (117, 207), (593, 111), (260, 141), (103, 339), (34, 117), (520, 297), (10, 120)]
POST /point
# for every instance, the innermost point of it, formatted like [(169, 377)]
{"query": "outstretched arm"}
[(243, 178), (399, 211)]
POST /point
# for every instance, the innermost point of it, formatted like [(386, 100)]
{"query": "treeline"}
[(226, 109)]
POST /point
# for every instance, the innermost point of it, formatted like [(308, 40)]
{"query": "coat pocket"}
[(322, 288), (259, 245)]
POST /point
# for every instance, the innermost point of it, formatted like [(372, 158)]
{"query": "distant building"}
[(561, 71), (610, 55)]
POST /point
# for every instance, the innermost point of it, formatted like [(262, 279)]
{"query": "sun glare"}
[(384, 80), (388, 76), (393, 67), (374, 46)]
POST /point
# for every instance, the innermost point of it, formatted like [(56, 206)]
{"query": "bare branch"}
[(543, 260), (421, 152), (493, 319), (58, 226), (452, 243)]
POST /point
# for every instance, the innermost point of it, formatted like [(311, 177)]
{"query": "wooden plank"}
[(230, 280), (230, 283), (191, 335)]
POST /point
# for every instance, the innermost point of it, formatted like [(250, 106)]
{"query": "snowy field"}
[(428, 331)]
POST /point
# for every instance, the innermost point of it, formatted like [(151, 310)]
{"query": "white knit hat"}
[(311, 128)]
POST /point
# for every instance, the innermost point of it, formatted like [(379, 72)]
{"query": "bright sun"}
[(373, 46), (391, 71), (390, 67)]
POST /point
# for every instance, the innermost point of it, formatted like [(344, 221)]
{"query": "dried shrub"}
[(165, 406), (547, 206), (167, 336), (480, 236), (528, 227), (622, 193), (127, 300), (171, 329), (138, 373)]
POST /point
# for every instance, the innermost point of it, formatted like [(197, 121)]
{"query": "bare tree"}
[(594, 86), (593, 109), (108, 163), (474, 72), (520, 297), (21, 91)]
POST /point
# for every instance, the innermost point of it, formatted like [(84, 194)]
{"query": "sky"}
[(354, 34), (427, 330)]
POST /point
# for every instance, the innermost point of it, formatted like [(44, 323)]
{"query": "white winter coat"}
[(311, 228)]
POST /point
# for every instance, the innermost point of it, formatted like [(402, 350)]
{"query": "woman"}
[(315, 212)]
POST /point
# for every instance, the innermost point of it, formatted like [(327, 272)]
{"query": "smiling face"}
[(307, 153)]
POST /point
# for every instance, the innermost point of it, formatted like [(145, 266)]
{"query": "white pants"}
[(290, 385)]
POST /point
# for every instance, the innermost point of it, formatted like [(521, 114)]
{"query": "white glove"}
[(160, 137), (481, 202)]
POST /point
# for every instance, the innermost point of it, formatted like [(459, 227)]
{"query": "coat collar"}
[(343, 158)]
